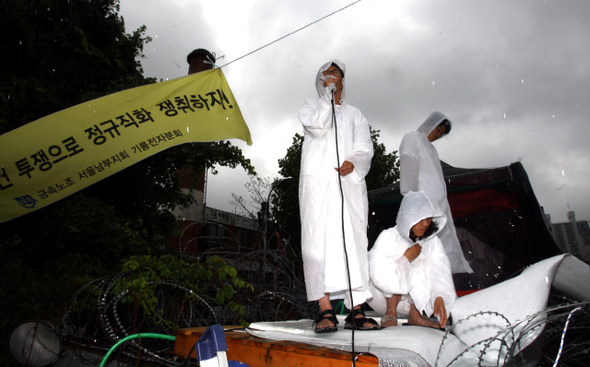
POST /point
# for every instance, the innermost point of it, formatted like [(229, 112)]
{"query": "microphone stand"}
[(332, 88)]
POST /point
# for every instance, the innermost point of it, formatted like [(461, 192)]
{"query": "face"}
[(335, 72), (420, 228), (436, 133)]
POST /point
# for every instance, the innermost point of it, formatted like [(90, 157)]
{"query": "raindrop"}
[(504, 115), (522, 81), (433, 83)]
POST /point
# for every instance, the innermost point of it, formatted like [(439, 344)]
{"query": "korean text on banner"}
[(60, 154)]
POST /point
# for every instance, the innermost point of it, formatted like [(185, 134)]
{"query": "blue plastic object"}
[(211, 342)]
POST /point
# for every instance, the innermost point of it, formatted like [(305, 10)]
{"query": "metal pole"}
[(265, 213)]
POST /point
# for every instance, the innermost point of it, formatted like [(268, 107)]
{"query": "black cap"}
[(200, 52)]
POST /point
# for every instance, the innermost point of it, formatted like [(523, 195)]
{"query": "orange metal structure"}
[(256, 352)]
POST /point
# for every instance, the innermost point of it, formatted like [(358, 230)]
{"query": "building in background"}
[(204, 230), (207, 230), (573, 236)]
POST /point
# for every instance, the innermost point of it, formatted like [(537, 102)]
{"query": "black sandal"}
[(359, 322), (327, 329)]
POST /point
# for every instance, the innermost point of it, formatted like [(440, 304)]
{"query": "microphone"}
[(331, 86)]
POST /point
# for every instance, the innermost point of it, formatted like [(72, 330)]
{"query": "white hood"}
[(414, 207), (433, 120), (319, 79)]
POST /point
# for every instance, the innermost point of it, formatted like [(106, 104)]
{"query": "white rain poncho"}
[(420, 170), (320, 198), (424, 279)]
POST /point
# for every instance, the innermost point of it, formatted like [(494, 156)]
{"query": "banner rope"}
[(295, 31)]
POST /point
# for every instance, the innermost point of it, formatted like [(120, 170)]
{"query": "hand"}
[(330, 79), (346, 168), (440, 311), (413, 252)]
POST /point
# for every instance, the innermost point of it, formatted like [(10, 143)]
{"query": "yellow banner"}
[(60, 154)]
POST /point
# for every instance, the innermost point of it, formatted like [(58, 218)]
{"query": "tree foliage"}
[(286, 202), (59, 53), (384, 166), (213, 280), (56, 54), (384, 171)]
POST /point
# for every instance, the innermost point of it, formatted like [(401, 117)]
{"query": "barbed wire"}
[(97, 316), (511, 339)]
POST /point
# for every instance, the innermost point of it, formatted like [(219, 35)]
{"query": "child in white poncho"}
[(408, 266)]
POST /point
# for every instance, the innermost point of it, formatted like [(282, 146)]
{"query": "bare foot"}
[(415, 318), (388, 321), (421, 321)]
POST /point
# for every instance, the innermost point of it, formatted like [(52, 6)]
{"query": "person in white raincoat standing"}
[(327, 163), (421, 170), (409, 267)]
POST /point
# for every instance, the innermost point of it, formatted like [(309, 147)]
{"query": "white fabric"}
[(511, 307), (475, 338), (420, 170), (426, 277), (395, 346), (320, 198)]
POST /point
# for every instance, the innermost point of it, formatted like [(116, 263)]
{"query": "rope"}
[(295, 31)]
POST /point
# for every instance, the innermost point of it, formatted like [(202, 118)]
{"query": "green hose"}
[(134, 336)]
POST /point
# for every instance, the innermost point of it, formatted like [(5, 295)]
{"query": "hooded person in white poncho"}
[(409, 260), (323, 216), (421, 170)]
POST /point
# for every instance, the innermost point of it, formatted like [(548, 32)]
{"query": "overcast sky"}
[(513, 77)]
